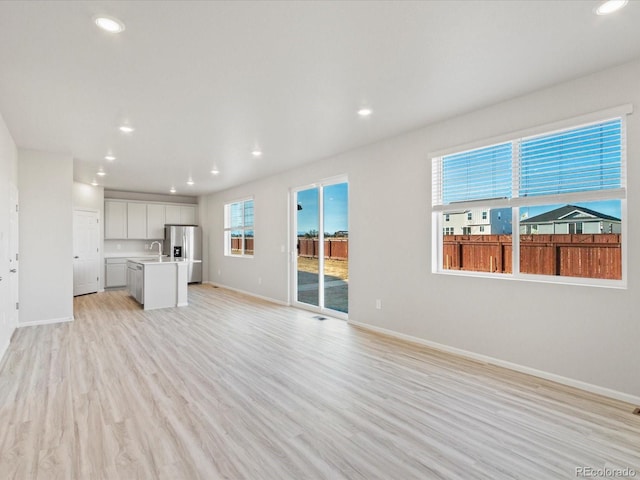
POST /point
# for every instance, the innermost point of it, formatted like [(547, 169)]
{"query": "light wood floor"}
[(232, 387)]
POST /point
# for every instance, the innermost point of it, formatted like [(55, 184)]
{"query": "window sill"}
[(522, 277)]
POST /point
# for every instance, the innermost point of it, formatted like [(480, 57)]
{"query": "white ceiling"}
[(205, 83)]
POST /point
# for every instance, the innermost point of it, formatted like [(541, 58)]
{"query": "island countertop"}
[(158, 282), (159, 260)]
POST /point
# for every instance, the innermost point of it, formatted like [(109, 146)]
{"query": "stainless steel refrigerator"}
[(185, 241)]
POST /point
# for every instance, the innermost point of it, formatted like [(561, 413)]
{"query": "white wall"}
[(8, 176), (45, 182), (88, 197), (583, 334)]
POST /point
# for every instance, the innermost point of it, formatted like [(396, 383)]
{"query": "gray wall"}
[(583, 334), (45, 182)]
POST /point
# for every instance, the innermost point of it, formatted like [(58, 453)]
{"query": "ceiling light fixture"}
[(126, 129), (256, 153), (111, 158), (215, 170), (189, 182), (173, 190), (610, 6), (94, 183), (365, 112), (109, 24), (101, 173)]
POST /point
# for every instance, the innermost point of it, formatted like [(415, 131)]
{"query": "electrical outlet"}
[(378, 304), (146, 246), (259, 280), (118, 246), (219, 272)]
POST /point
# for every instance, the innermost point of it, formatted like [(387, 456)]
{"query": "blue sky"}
[(335, 209)]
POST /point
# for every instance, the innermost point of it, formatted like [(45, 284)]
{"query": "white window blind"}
[(577, 160), (582, 159), (474, 175)]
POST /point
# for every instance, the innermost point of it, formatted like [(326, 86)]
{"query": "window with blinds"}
[(559, 195), (239, 228), (577, 160)]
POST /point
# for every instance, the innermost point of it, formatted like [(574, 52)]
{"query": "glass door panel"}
[(308, 260), (336, 247)]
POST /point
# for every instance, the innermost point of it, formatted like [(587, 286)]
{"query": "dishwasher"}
[(135, 281)]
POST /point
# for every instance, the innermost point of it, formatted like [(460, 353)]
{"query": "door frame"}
[(293, 239), (101, 268), (14, 256)]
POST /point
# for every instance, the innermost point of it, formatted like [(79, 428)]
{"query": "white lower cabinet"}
[(115, 272)]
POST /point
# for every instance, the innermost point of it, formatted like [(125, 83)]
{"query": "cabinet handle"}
[(76, 256), (13, 270)]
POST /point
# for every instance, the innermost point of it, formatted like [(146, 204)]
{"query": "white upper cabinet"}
[(172, 214), (115, 224), (136, 220), (188, 214), (155, 221), (180, 215)]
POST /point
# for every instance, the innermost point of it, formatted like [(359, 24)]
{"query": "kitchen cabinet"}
[(115, 272), (143, 221), (115, 219), (155, 221), (180, 215), (136, 220)]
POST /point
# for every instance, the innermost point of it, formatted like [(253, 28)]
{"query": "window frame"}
[(515, 202), (228, 229)]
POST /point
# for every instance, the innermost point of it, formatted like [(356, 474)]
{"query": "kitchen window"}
[(554, 201), (239, 228)]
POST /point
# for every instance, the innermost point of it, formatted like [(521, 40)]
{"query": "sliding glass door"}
[(321, 236)]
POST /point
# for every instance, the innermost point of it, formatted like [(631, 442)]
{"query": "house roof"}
[(567, 213)]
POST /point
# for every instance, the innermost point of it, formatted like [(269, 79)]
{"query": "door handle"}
[(13, 270), (76, 256)]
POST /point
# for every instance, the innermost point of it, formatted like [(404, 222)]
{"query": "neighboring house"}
[(570, 219), (478, 221)]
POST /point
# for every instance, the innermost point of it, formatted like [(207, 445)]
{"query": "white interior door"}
[(13, 255), (86, 251)]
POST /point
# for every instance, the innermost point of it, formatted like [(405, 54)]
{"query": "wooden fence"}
[(336, 248), (570, 255), (236, 245)]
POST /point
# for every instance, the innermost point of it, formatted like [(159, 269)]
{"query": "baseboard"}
[(606, 392), (45, 322), (244, 292)]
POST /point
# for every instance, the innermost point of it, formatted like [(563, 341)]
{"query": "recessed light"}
[(109, 24), (610, 6), (256, 153), (215, 170), (189, 182), (173, 190), (126, 128), (94, 183), (101, 173), (365, 112), (111, 158)]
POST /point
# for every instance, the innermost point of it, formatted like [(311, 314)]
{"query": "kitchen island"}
[(158, 282)]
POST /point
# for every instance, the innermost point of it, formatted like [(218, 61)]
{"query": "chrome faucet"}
[(159, 248)]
